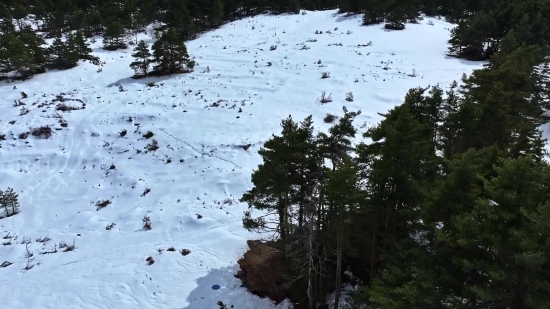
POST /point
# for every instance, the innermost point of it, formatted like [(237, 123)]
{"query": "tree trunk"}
[(311, 271), (338, 269)]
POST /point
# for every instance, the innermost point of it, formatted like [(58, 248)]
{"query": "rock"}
[(262, 264)]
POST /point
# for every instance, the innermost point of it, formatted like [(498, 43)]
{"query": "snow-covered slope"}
[(201, 121)]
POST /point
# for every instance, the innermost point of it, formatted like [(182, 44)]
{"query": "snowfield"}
[(189, 187)]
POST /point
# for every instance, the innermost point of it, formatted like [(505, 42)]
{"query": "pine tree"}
[(508, 250), (9, 201), (80, 45), (113, 38), (343, 196), (395, 19), (36, 51), (62, 55), (170, 54), (216, 16), (143, 58), (374, 12)]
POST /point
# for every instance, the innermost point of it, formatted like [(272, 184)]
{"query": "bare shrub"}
[(146, 223), (330, 118), (122, 133), (66, 108), (324, 98), (42, 132), (349, 96), (273, 47), (67, 247), (185, 252), (148, 135), (102, 204), (145, 192), (153, 146), (325, 74), (5, 264), (43, 240), (24, 111), (110, 226), (150, 261)]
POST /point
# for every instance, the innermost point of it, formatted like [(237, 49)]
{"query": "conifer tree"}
[(62, 55), (142, 57), (374, 12), (9, 201), (216, 16), (80, 45), (113, 38), (170, 54)]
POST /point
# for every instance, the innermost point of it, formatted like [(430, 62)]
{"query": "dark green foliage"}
[(62, 54), (142, 57), (443, 206), (113, 38), (80, 45), (170, 54)]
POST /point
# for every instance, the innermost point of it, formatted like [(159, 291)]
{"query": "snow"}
[(193, 201)]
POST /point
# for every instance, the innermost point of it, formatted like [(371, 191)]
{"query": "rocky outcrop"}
[(261, 271)]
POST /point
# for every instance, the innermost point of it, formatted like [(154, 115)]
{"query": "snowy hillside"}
[(90, 175)]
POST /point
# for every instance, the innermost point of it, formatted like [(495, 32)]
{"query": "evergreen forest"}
[(444, 204)]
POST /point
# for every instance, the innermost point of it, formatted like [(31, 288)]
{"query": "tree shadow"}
[(345, 17), (149, 80), (466, 62), (230, 293)]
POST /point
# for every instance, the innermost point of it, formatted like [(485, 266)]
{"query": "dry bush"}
[(42, 132), (325, 74), (102, 204), (146, 223), (153, 146), (66, 108), (324, 98), (330, 118)]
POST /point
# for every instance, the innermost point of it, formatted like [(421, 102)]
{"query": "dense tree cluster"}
[(445, 203), (482, 25)]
